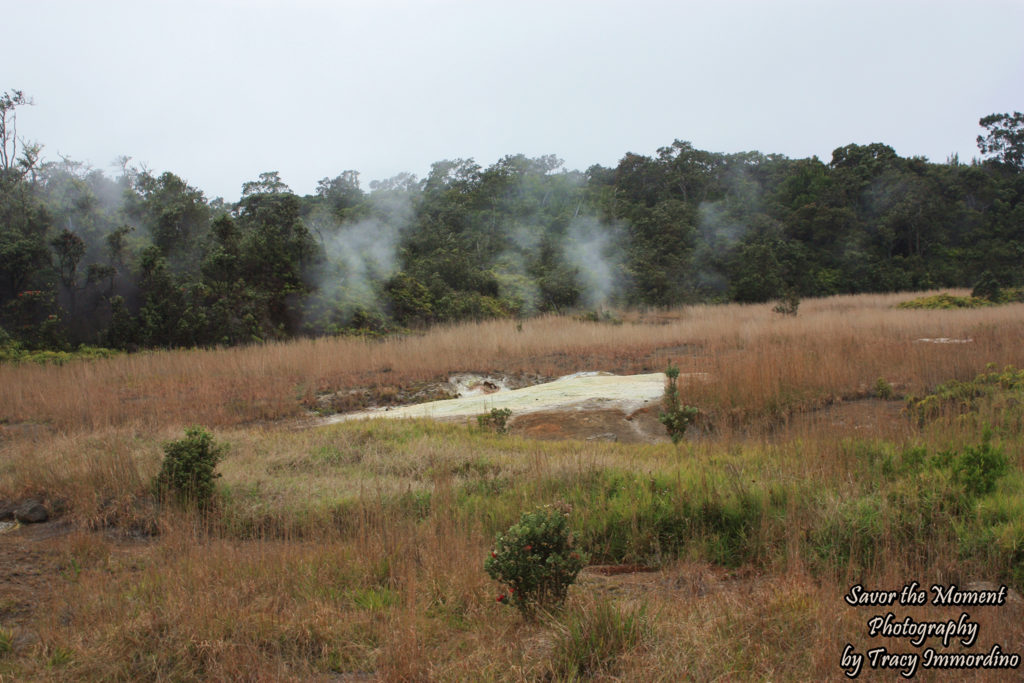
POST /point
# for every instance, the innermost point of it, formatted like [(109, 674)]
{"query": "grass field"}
[(834, 451)]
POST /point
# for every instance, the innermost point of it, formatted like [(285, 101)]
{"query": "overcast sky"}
[(219, 91)]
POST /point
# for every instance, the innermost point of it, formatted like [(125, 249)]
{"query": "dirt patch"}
[(591, 424), (689, 580), (31, 557), (876, 418)]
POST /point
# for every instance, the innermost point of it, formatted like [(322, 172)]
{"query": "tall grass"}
[(761, 364)]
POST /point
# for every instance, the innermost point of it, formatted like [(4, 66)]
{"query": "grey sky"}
[(219, 91)]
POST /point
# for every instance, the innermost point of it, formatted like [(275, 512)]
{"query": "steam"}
[(589, 247), (723, 224), (361, 255)]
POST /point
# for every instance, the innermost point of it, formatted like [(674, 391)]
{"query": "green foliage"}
[(187, 474), (497, 420), (674, 415), (883, 389), (789, 303), (626, 517), (977, 468), (410, 300), (168, 268), (1005, 139), (535, 559), (16, 353), (599, 317), (924, 501), (1000, 394), (6, 641), (988, 287), (60, 657), (945, 301), (594, 638)]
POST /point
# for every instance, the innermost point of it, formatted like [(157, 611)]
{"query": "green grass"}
[(591, 639), (646, 505)]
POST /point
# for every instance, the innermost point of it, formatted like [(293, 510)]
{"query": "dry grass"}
[(355, 551), (762, 363)]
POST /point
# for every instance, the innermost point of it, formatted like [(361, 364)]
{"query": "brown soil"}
[(591, 425), (872, 417), (31, 557)]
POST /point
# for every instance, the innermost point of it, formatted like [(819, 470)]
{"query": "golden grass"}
[(761, 363), (320, 569)]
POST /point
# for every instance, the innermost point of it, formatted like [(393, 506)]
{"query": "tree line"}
[(143, 260)]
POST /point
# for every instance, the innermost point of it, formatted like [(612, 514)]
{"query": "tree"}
[(9, 102), (24, 222), (175, 213), (269, 183), (341, 191), (1005, 139), (276, 250), (69, 249)]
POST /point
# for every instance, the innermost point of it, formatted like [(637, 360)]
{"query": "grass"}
[(358, 549), (764, 365)]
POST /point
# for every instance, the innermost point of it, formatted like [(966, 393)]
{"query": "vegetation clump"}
[(594, 316), (593, 639), (977, 468), (497, 420), (788, 304), (187, 474), (1001, 392), (674, 415), (945, 301), (536, 560), (15, 353)]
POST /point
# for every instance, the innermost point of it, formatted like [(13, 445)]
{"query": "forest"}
[(144, 260)]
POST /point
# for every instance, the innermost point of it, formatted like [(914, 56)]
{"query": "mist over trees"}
[(145, 260)]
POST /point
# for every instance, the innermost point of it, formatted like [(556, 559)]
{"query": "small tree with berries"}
[(535, 559)]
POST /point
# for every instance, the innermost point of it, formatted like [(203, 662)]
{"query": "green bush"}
[(883, 389), (978, 468), (674, 415), (789, 304), (988, 287), (536, 560), (187, 474), (497, 420), (945, 301)]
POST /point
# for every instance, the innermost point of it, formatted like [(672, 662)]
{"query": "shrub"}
[(187, 473), (978, 468), (788, 304), (883, 389), (674, 415), (536, 560), (497, 420), (988, 287), (598, 317), (945, 301)]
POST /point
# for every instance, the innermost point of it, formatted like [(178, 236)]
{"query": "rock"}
[(31, 512)]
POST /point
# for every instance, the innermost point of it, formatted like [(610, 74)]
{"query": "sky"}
[(219, 91)]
